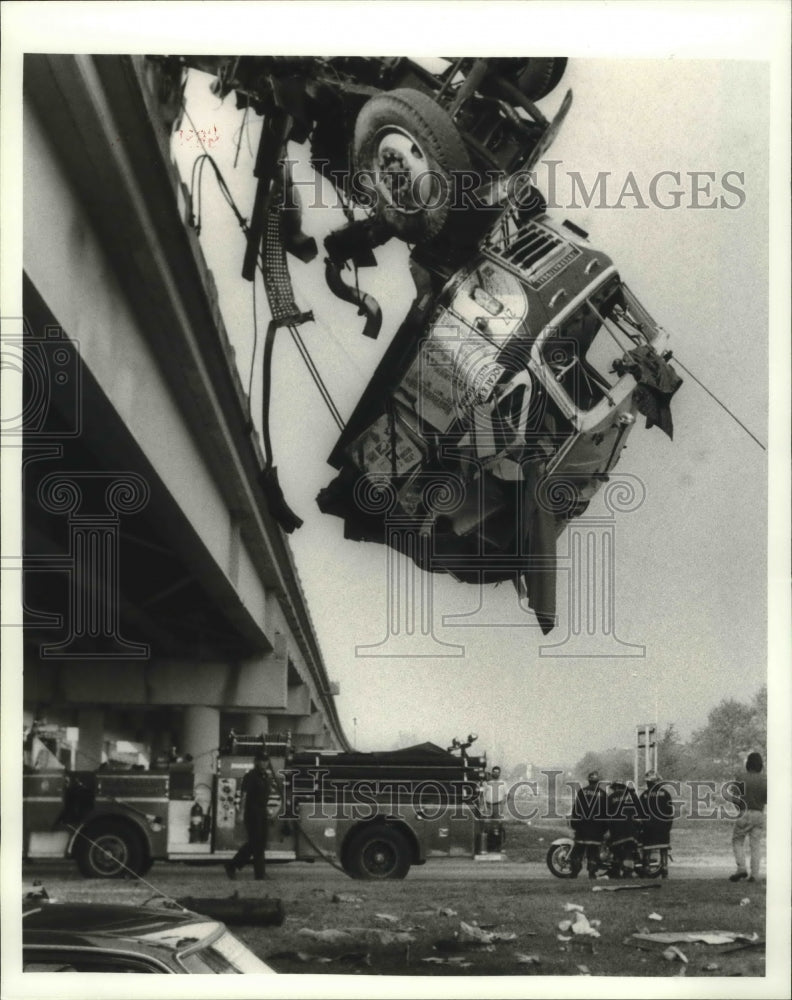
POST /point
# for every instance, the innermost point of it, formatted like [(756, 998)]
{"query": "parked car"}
[(107, 937)]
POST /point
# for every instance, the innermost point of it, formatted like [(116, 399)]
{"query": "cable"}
[(311, 366), (255, 346), (722, 405), (319, 382)]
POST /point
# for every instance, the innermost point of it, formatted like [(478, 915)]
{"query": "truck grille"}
[(528, 248)]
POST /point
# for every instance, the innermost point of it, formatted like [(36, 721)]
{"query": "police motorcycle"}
[(646, 863)]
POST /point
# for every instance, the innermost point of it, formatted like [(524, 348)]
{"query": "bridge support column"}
[(201, 737), (90, 745)]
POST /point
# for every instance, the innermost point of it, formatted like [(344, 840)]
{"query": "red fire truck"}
[(373, 814)]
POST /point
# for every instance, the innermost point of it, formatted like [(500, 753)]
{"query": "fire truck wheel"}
[(113, 851), (378, 852), (558, 860), (410, 148)]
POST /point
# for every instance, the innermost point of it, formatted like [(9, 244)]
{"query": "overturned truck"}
[(507, 395)]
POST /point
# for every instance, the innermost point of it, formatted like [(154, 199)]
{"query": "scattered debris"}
[(654, 916), (564, 926), (329, 934), (445, 911), (569, 907), (705, 937), (629, 885), (387, 917), (711, 967), (582, 928), (526, 959), (346, 897), (292, 956), (474, 933), (459, 962), (391, 937), (562, 937), (584, 970), (470, 932), (673, 954), (745, 901), (354, 958)]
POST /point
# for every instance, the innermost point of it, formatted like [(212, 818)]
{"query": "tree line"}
[(716, 751)]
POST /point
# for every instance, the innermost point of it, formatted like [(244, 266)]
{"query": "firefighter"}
[(255, 796), (588, 822), (623, 812), (657, 816)]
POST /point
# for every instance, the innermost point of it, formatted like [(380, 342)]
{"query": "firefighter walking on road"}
[(588, 822), (255, 796)]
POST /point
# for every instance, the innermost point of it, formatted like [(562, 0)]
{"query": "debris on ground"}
[(745, 901), (346, 897), (474, 933), (445, 911), (459, 962), (711, 967), (292, 956), (562, 937), (582, 928), (569, 907), (705, 937), (584, 970), (526, 959), (673, 954), (654, 916), (391, 937), (628, 885), (354, 958), (387, 917), (328, 934)]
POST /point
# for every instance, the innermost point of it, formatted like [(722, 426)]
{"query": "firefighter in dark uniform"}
[(657, 816), (588, 822), (623, 811), (255, 796)]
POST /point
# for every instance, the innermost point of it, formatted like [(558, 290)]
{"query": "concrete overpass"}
[(161, 600)]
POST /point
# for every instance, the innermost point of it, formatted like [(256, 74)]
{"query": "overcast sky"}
[(690, 562)]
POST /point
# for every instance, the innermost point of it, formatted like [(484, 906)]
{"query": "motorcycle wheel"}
[(651, 865), (558, 860)]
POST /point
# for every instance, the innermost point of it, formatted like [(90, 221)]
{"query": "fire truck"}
[(372, 814)]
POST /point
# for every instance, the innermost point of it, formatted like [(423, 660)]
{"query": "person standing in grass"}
[(752, 799)]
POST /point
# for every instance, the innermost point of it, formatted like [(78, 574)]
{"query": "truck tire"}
[(412, 149), (109, 849), (558, 860), (538, 77), (378, 852)]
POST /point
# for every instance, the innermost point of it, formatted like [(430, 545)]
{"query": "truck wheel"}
[(558, 860), (411, 149), (109, 850), (539, 76), (378, 852)]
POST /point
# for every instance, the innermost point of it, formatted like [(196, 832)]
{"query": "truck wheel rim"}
[(404, 172), (109, 854), (379, 857)]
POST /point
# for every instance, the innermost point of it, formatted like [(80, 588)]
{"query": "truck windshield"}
[(582, 349)]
